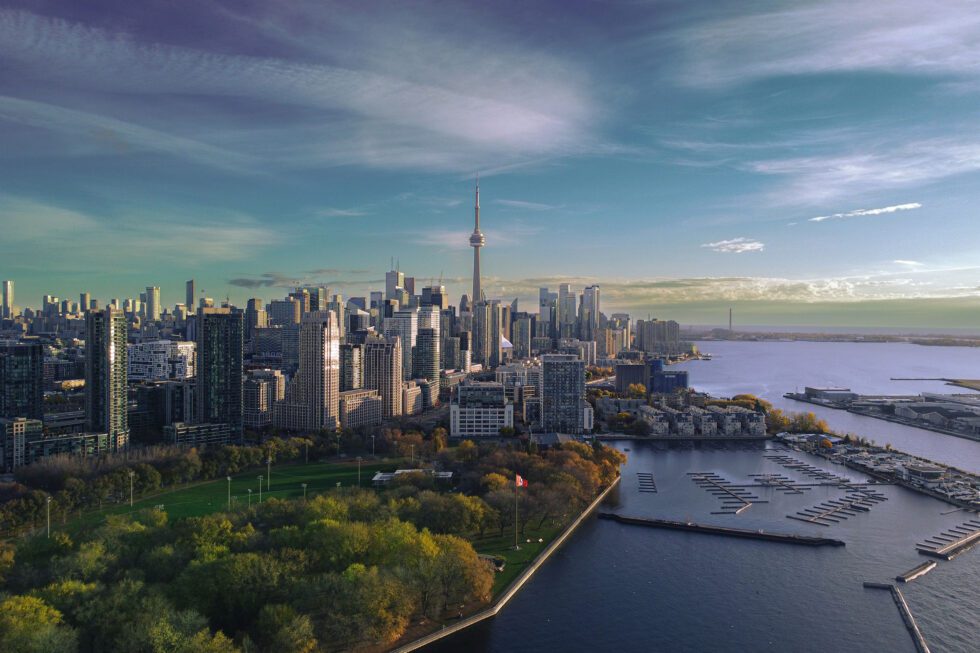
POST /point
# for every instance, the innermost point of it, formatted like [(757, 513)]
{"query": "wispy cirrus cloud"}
[(378, 109), (528, 206), (739, 245), (340, 213), (857, 213), (908, 263), (831, 36)]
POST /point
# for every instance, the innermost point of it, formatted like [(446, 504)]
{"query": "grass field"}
[(517, 561), (200, 499)]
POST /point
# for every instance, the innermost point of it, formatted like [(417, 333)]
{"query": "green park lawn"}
[(198, 499), (517, 561)]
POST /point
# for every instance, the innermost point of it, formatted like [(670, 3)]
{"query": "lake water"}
[(614, 587), (770, 369)]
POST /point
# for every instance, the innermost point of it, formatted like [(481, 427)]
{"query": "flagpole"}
[(516, 488)]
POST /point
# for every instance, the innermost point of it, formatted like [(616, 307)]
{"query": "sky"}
[(807, 163)]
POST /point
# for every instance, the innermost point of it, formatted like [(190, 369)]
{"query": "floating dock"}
[(951, 542), (915, 572), (646, 482), (734, 498), (837, 510), (787, 538)]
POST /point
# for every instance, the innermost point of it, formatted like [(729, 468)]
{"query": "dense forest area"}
[(343, 569)]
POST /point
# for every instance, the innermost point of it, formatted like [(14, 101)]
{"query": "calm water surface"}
[(624, 588), (770, 369)]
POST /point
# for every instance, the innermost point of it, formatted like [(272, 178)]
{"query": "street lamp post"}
[(304, 491), (268, 478), (249, 497), (132, 474), (359, 459), (260, 488), (229, 493), (413, 453), (49, 517), (372, 446)]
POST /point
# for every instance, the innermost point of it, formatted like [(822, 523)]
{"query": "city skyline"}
[(802, 180)]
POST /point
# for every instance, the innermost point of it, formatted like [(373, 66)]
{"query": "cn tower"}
[(477, 240)]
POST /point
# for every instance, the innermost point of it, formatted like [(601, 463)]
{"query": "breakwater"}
[(787, 538)]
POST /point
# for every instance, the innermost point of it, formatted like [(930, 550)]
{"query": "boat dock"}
[(951, 542), (647, 484), (734, 499), (787, 538), (915, 572), (833, 512)]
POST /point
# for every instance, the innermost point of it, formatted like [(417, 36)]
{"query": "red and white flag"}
[(520, 481)]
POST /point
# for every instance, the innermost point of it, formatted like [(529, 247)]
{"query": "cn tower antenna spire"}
[(477, 240)]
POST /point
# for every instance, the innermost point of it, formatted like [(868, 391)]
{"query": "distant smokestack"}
[(729, 320)]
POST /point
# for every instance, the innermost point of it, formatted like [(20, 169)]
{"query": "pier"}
[(734, 499), (646, 482), (835, 511), (915, 572), (903, 610), (951, 542), (760, 534)]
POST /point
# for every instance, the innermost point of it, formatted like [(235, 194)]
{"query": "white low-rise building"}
[(480, 410)]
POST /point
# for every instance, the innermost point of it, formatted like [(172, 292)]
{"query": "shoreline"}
[(885, 418), (501, 601)]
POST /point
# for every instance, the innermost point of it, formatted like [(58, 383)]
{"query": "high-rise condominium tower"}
[(189, 295), (105, 376), (153, 303), (7, 308), (219, 366), (313, 394)]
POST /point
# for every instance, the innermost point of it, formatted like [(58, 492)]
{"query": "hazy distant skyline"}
[(795, 160)]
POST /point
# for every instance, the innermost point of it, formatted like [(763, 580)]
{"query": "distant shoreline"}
[(924, 340)]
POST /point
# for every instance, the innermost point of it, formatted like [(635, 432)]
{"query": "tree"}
[(636, 391), (29, 625), (282, 630)]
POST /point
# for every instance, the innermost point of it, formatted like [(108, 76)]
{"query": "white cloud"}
[(386, 107), (857, 213), (529, 206), (911, 264), (736, 246), (340, 213), (833, 36), (99, 243)]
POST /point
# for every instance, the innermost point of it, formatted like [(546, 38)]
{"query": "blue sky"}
[(679, 154)]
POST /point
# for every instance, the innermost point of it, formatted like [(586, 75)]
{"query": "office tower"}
[(7, 308), (84, 302), (357, 320), (477, 240), (547, 323), (376, 298), (410, 286), (464, 304), (522, 332), (351, 367), (435, 296), (403, 324), (383, 372), (394, 284), (220, 333), (285, 311), (564, 408), (336, 304), (426, 362), (318, 298), (106, 404), (312, 395), (589, 313), (566, 312), (190, 292), (21, 379), (255, 317), (358, 302), (496, 339), (480, 346), (153, 307), (302, 295)]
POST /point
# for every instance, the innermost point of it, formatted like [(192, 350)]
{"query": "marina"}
[(734, 498), (951, 542)]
